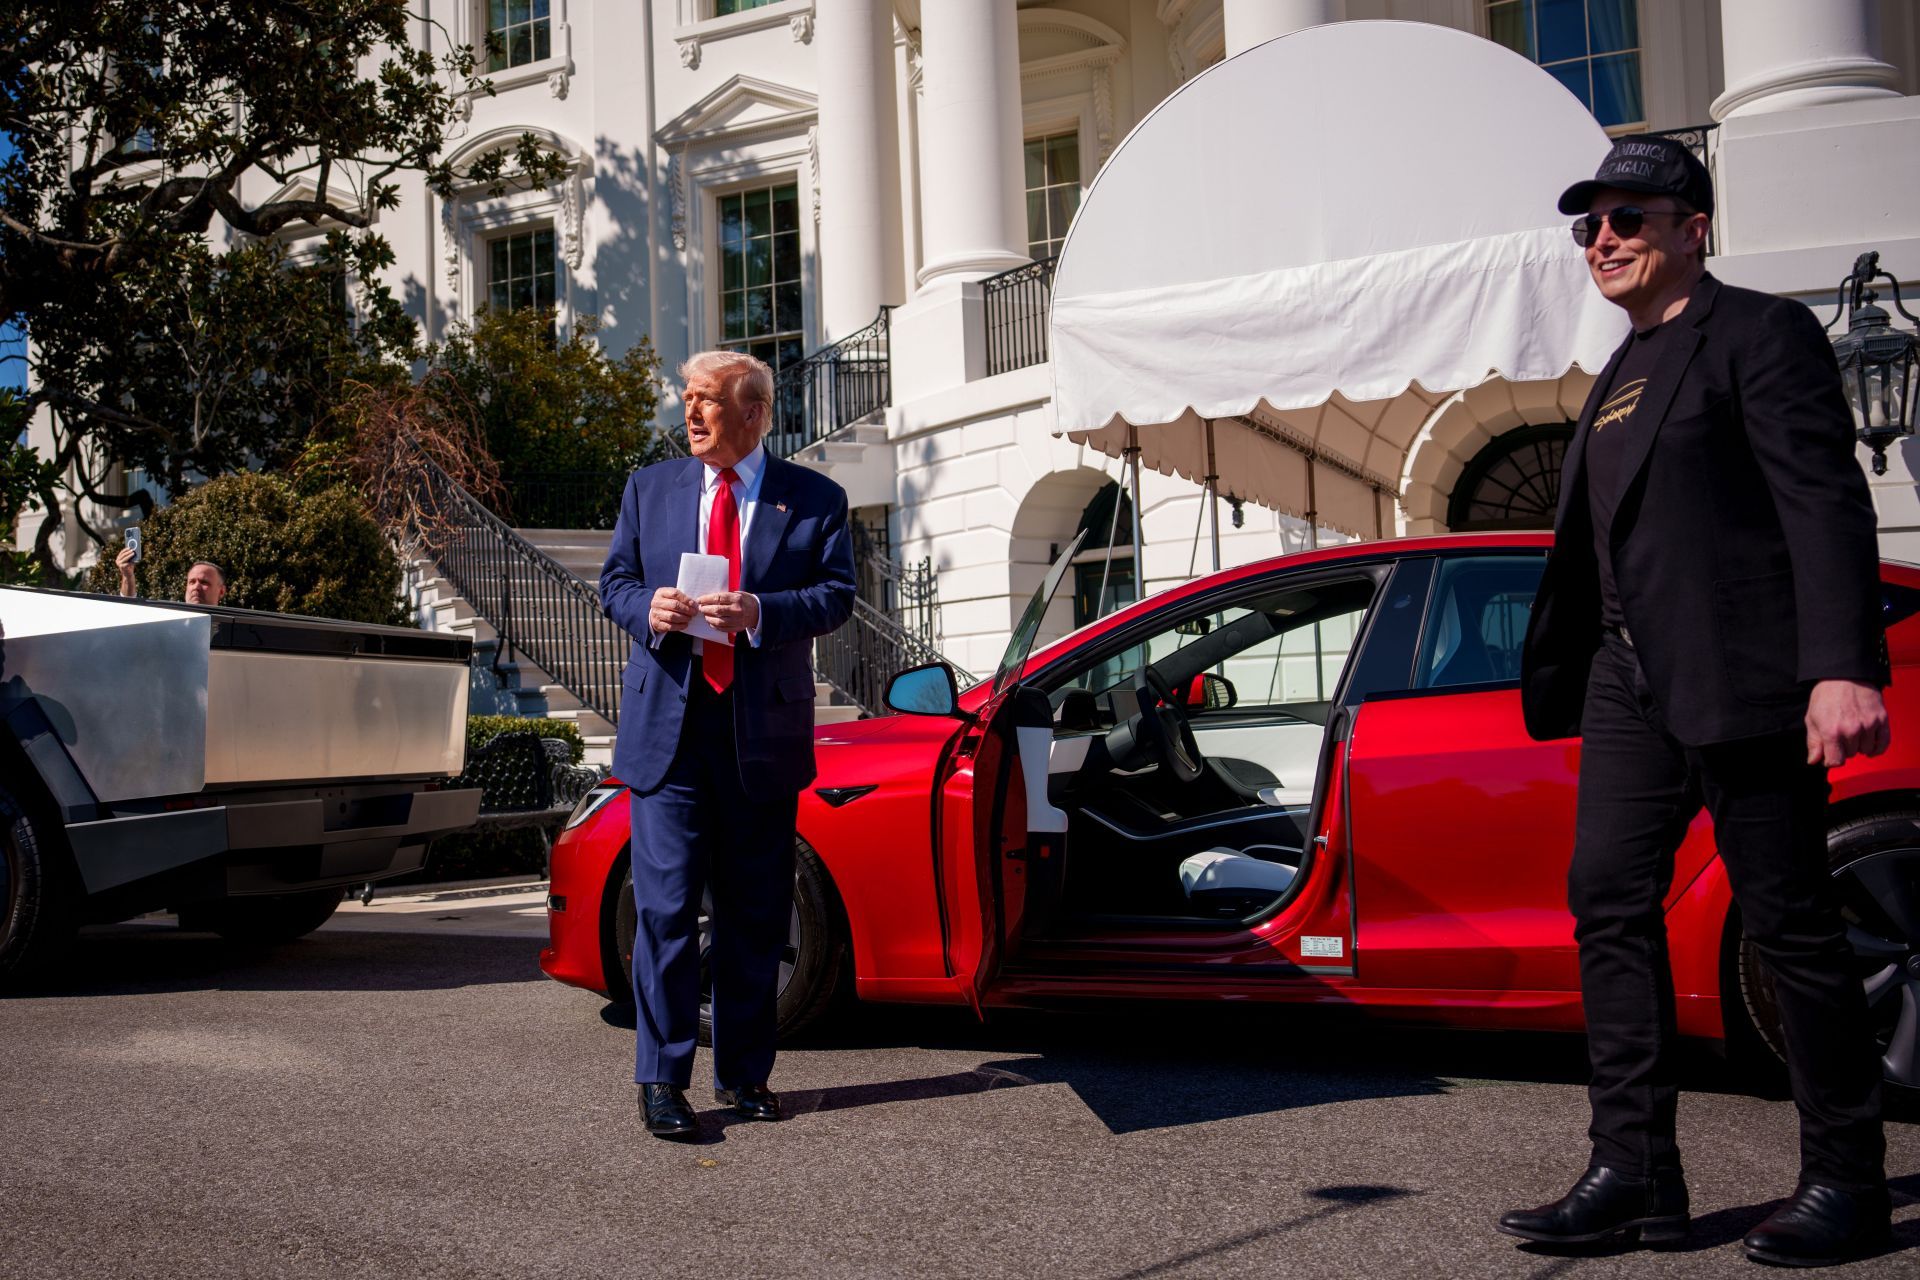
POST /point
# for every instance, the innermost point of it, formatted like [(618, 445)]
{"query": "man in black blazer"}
[(1709, 623)]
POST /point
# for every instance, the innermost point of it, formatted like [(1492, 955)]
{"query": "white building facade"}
[(771, 174)]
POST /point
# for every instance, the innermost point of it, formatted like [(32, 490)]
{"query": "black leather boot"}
[(1605, 1203), (666, 1112), (1821, 1226)]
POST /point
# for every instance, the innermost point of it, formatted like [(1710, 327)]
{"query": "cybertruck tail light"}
[(591, 803)]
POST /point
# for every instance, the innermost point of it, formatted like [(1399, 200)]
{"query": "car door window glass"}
[(1477, 624)]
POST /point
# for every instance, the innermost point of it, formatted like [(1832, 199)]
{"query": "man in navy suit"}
[(716, 741)]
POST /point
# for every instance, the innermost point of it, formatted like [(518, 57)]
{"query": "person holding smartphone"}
[(206, 581)]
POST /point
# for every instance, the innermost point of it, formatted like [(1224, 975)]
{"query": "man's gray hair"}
[(752, 376)]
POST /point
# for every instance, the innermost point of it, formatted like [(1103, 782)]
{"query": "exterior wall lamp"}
[(1877, 361)]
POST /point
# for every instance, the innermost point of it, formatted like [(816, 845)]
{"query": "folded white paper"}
[(702, 576)]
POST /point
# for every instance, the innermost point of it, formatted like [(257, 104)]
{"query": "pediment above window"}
[(743, 106)]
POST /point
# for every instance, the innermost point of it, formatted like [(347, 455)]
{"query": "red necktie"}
[(723, 539)]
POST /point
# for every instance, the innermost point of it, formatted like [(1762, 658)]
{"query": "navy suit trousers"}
[(704, 846)]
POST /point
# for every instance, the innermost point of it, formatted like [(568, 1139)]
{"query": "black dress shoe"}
[(1605, 1203), (667, 1113), (1821, 1226), (750, 1102)]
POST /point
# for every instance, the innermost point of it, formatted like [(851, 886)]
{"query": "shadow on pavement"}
[(116, 960)]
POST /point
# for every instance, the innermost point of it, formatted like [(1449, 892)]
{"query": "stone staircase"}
[(517, 686)]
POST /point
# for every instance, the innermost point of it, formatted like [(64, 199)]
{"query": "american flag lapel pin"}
[(781, 507)]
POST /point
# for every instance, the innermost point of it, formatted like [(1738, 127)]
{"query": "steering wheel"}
[(1164, 729)]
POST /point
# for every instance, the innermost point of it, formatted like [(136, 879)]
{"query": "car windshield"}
[(1015, 658)]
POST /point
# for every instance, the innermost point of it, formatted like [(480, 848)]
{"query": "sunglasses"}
[(1626, 222)]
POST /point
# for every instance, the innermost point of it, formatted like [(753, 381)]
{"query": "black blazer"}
[(1744, 544)]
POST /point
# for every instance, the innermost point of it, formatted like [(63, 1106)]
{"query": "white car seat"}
[(1227, 876)]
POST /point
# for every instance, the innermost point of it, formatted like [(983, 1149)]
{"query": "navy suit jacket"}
[(798, 559)]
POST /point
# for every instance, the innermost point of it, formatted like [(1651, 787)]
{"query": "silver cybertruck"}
[(240, 768)]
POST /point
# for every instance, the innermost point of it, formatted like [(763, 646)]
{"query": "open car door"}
[(991, 814)]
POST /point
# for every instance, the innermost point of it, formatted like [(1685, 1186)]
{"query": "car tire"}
[(1876, 862), (37, 895), (812, 976), (266, 920)]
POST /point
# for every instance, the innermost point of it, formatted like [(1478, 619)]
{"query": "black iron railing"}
[(907, 593), (860, 659), (561, 499), (834, 386), (1015, 303), (531, 600)]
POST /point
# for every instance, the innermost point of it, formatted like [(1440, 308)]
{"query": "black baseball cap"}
[(1657, 166)]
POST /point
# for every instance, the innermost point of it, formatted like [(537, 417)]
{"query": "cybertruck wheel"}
[(1875, 863), (264, 921), (813, 968), (36, 896)]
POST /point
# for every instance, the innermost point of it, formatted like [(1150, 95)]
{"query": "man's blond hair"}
[(740, 372)]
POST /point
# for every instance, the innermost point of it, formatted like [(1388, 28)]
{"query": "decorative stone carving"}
[(801, 24), (813, 170), (916, 60), (677, 198), (1103, 110), (450, 244), (572, 245), (460, 117), (690, 54), (558, 84)]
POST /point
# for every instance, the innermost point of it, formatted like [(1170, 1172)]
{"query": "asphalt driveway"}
[(404, 1095)]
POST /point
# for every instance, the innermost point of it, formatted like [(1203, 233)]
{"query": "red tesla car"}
[(1304, 780)]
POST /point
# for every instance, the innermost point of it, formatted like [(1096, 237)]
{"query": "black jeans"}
[(1639, 789)]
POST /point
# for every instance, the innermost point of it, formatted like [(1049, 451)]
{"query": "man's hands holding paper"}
[(725, 611)]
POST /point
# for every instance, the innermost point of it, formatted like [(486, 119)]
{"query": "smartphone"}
[(133, 542)]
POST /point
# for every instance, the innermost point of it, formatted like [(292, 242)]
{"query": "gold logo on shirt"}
[(1621, 404)]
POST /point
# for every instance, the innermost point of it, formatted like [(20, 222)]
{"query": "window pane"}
[(1507, 25), (789, 352), (732, 269), (497, 296), (1036, 215), (517, 11), (1063, 158), (786, 255), (521, 291), (759, 311), (543, 253), (1562, 32), (1478, 620), (759, 213), (729, 221), (496, 14), (543, 290), (787, 306), (786, 209), (497, 260), (541, 8), (521, 256), (1616, 89), (542, 40), (759, 262), (1612, 25), (733, 316), (520, 47), (1061, 202), (1036, 163), (1574, 76)]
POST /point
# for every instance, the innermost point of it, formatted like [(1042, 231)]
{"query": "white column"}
[(1252, 22), (1780, 55), (859, 163), (973, 216)]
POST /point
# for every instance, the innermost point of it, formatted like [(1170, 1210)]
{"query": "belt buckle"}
[(1626, 636)]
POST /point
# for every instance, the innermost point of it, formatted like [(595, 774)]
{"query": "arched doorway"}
[(1513, 482), (1104, 578)]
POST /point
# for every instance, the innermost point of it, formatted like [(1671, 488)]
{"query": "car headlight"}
[(591, 803)]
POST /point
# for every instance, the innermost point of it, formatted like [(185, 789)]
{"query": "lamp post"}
[(1877, 361)]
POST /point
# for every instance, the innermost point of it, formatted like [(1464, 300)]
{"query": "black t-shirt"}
[(1608, 444)]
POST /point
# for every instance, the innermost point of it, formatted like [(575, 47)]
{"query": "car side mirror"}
[(1211, 692), (924, 691)]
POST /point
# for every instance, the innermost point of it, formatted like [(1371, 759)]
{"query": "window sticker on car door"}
[(1329, 948)]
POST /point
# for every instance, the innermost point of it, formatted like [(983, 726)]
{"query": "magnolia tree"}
[(144, 138)]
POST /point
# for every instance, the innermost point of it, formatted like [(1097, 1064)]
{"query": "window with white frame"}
[(521, 271), (1590, 46), (1053, 191), (721, 8), (518, 32), (760, 274)]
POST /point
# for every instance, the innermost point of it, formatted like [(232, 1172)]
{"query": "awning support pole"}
[(1313, 511), (1213, 497), (1139, 553)]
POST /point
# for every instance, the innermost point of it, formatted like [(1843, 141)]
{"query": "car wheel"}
[(1876, 864), (36, 906), (812, 970), (266, 920)]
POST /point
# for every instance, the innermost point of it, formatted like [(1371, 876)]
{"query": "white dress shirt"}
[(750, 471)]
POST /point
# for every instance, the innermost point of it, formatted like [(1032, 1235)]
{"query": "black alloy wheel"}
[(36, 895), (812, 967), (1876, 868)]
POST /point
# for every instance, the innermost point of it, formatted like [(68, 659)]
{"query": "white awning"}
[(1315, 243)]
